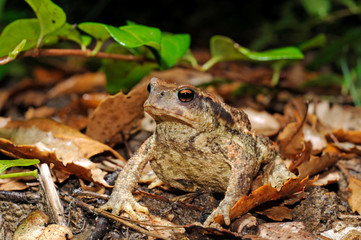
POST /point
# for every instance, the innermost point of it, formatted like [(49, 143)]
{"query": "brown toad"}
[(199, 142)]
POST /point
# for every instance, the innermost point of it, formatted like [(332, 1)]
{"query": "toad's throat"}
[(163, 113)]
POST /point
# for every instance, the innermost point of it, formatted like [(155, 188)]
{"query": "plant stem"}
[(71, 52)]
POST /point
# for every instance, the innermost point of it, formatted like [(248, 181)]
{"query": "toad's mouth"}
[(163, 114)]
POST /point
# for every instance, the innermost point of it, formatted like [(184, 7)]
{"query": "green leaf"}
[(173, 47), (225, 49), (16, 32), (5, 164), (66, 32), (123, 75), (133, 36), (96, 30), (318, 8), (86, 40), (51, 17)]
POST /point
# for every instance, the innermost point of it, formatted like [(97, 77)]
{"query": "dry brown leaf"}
[(55, 143), (326, 179), (277, 213), (348, 147), (317, 139), (262, 122), (291, 139), (117, 115), (80, 83), (353, 136), (17, 183), (316, 164), (41, 112), (289, 231), (354, 186), (47, 76), (93, 100), (337, 116), (262, 195), (75, 114)]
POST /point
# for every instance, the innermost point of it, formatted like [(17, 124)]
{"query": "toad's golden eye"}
[(186, 95)]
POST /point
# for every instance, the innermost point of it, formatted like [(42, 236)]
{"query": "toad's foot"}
[(124, 201), (222, 209)]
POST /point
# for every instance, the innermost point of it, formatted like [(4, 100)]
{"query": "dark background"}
[(273, 23)]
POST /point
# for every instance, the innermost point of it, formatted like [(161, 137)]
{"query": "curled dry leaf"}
[(337, 117), (289, 230), (264, 194), (34, 227), (118, 114), (54, 143), (354, 186), (80, 83), (353, 136), (291, 139), (277, 213), (262, 122)]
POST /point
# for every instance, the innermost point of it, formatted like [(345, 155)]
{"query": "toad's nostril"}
[(162, 94)]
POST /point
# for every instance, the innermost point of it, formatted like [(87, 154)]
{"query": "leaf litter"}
[(312, 138)]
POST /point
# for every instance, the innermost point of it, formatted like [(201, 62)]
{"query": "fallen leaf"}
[(326, 179), (41, 112), (337, 116), (348, 147), (118, 115), (289, 230), (291, 139), (262, 195), (353, 136), (317, 139), (262, 122), (55, 143), (80, 83), (75, 114), (46, 76), (277, 213), (354, 186), (316, 164)]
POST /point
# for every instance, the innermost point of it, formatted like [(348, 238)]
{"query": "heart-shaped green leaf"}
[(96, 30), (51, 17), (123, 75), (66, 32), (225, 49), (173, 47), (135, 35), (16, 32)]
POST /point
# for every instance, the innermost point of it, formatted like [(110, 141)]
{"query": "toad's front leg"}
[(122, 198), (243, 167)]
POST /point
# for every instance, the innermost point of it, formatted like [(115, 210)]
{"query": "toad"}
[(199, 142)]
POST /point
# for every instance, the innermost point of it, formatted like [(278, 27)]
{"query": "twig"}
[(71, 52), (119, 219)]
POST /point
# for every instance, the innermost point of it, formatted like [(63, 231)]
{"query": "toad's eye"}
[(186, 95), (149, 88)]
